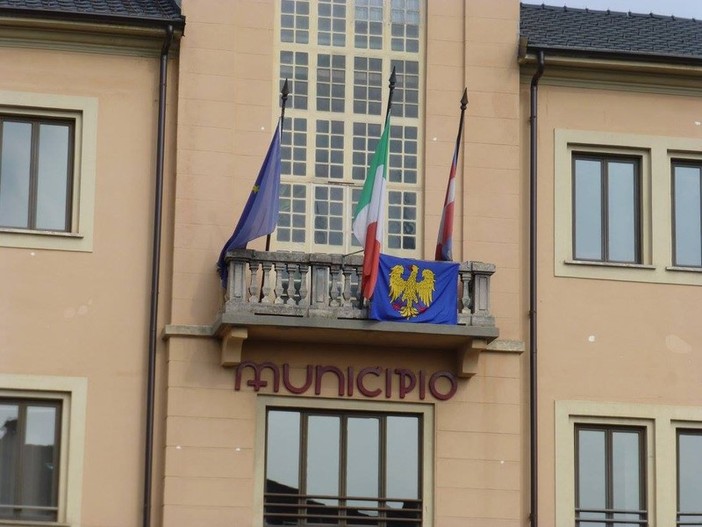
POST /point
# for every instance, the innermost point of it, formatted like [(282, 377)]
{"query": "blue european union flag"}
[(260, 214), (415, 291)]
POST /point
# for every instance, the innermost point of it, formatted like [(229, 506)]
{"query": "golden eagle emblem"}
[(410, 292)]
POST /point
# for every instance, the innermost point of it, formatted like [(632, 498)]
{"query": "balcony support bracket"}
[(468, 357), (232, 343)]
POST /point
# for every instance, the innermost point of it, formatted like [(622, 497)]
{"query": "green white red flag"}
[(369, 216)]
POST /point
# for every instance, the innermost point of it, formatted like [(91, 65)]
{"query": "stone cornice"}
[(91, 37)]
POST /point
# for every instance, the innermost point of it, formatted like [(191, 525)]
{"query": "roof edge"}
[(558, 64), (144, 21), (566, 9), (621, 56)]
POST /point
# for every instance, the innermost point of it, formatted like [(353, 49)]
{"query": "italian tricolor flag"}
[(369, 217)]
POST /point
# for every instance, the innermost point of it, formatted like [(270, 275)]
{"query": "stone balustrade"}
[(328, 285)]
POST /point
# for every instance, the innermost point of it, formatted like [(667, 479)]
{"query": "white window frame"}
[(83, 112), (661, 423), (263, 402), (657, 154), (72, 393)]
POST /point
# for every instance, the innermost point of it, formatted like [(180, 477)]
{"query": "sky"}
[(680, 8)]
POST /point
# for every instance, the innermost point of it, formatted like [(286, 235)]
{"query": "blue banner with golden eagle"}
[(415, 291)]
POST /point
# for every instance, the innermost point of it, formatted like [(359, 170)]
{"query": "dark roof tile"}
[(584, 30), (143, 10)]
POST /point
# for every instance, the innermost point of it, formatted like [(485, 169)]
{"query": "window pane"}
[(38, 461), (14, 174), (52, 177), (294, 67), (688, 229), (283, 452), (363, 449), (591, 492), (690, 473), (626, 471), (323, 436), (587, 187), (402, 451), (331, 18), (621, 203), (8, 455)]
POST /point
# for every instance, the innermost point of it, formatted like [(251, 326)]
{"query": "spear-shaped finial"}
[(284, 92), (464, 104), (391, 85)]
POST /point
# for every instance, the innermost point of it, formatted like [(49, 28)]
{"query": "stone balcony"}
[(301, 297)]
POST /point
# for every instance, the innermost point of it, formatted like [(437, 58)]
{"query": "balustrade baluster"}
[(304, 297), (346, 291), (279, 272), (253, 284), (293, 283), (267, 289), (335, 285)]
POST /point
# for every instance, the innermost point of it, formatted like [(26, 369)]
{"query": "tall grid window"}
[(343, 468), (339, 56)]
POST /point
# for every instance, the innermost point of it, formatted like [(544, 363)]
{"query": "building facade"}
[(286, 405), (137, 387), (79, 114), (618, 265)]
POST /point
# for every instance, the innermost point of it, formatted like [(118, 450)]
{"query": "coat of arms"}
[(410, 297)]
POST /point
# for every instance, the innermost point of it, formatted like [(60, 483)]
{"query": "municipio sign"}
[(370, 382)]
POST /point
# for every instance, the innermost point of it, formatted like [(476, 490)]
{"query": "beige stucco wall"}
[(211, 445), (227, 107), (85, 314), (603, 339), (228, 80)]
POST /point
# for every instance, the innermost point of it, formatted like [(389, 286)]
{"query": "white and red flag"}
[(444, 243)]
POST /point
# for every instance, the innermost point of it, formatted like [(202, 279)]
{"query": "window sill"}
[(610, 264), (7, 230), (684, 269), (31, 523)]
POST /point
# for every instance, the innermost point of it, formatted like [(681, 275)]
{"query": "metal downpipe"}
[(533, 414), (155, 275)]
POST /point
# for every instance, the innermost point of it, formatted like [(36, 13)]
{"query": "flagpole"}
[(391, 85), (284, 99), (446, 225), (464, 105)]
